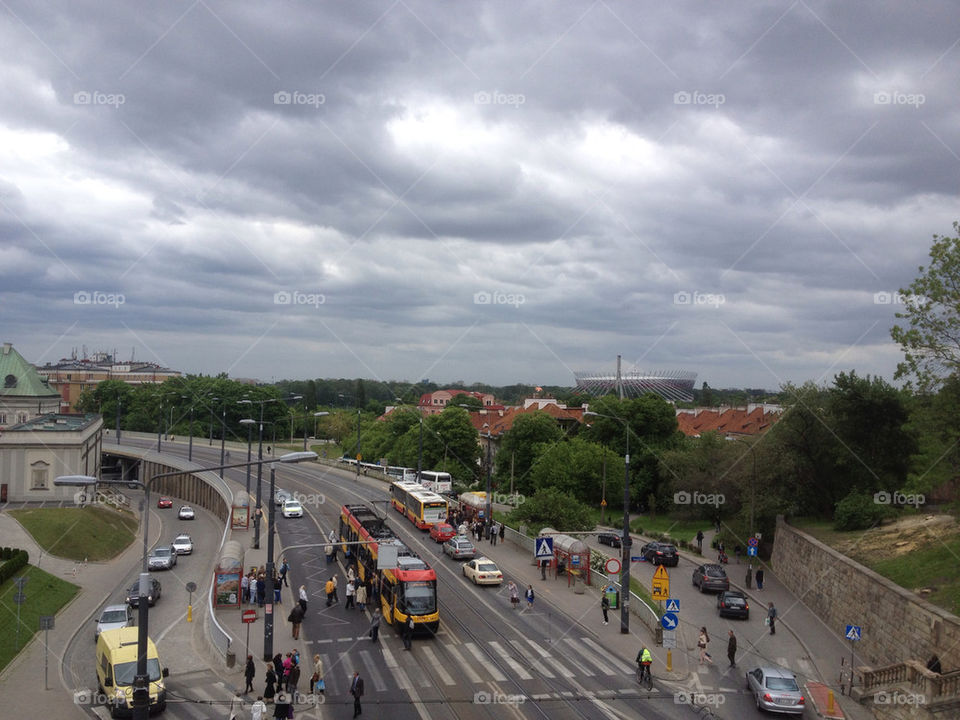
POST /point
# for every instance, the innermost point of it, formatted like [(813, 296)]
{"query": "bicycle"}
[(643, 672)]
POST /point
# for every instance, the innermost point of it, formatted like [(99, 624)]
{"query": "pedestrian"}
[(283, 571), (261, 589), (335, 598), (732, 649), (356, 689), (277, 587), (543, 568), (271, 689), (317, 685), (228, 456), (296, 656), (248, 673), (287, 664), (772, 619), (721, 555), (408, 633), (702, 640), (281, 710), (293, 678), (700, 541), (605, 606), (328, 588), (236, 706), (245, 589), (303, 598), (738, 551), (530, 597), (514, 594), (361, 596), (501, 533), (759, 578), (278, 665), (494, 530), (375, 625), (351, 575), (268, 449), (328, 551), (258, 709), (295, 618), (351, 595)]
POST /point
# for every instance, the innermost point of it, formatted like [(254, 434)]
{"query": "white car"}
[(182, 544), (186, 513), (113, 617), (281, 496), (483, 571), (292, 509)]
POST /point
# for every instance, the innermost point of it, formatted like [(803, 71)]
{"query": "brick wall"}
[(897, 625)]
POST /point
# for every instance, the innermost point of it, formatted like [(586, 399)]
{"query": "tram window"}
[(418, 597)]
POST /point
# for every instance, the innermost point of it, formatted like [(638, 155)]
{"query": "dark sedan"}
[(711, 577), (611, 539), (133, 593), (733, 603), (659, 553)]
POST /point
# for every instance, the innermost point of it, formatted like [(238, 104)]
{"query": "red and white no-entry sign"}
[(249, 616), (612, 567)]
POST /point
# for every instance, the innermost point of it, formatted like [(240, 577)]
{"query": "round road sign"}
[(753, 542), (612, 567)]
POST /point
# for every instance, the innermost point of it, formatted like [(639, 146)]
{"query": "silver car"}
[(459, 548), (775, 690), (162, 558), (182, 544), (113, 617)]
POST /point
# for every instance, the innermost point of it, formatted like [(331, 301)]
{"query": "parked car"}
[(711, 577), (164, 502), (182, 544), (658, 553), (459, 548), (607, 538), (292, 509), (281, 496), (185, 513), (441, 532), (113, 617), (733, 603), (775, 690), (483, 571), (162, 558), (133, 593)]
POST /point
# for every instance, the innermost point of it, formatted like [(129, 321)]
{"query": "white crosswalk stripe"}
[(485, 662), (438, 667), (601, 651), (465, 665), (402, 680), (373, 671), (514, 665), (577, 646), (534, 663), (556, 664)]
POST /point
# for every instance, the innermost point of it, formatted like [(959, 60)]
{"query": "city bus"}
[(402, 473), (409, 589), (474, 505), (438, 482), (421, 507)]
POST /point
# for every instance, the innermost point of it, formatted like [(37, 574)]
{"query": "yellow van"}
[(117, 667)]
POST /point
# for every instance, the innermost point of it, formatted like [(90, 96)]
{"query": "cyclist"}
[(644, 660)]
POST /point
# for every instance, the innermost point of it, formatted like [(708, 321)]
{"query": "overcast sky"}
[(496, 192)]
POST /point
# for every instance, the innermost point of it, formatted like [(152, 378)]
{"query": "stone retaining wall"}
[(897, 625)]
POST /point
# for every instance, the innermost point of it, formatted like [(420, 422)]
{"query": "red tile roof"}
[(731, 421)]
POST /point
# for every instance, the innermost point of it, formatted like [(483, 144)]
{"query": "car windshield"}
[(463, 545), (420, 597), (716, 572), (668, 549), (782, 683), (733, 600), (487, 567), (293, 505), (125, 672), (114, 616), (161, 552)]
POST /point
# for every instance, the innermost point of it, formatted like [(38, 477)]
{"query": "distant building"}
[(71, 376), (33, 453), (24, 394), (492, 423), (435, 402), (754, 419)]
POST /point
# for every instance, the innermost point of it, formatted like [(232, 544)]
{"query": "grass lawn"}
[(45, 595), (92, 533)]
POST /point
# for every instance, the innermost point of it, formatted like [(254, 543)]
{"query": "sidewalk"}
[(25, 672)]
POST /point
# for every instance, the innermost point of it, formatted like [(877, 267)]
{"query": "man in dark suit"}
[(356, 689)]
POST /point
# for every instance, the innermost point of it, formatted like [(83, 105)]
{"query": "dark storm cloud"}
[(399, 188)]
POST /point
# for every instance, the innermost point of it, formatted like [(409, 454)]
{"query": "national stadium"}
[(674, 385)]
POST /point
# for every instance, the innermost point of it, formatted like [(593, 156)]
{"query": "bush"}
[(551, 508), (857, 511), (17, 561)]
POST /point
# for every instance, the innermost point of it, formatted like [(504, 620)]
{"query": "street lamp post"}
[(359, 454), (119, 402), (420, 447), (256, 517), (315, 415), (625, 540), (210, 444), (489, 504), (160, 426), (190, 447), (223, 434)]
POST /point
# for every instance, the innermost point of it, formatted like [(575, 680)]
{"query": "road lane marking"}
[(438, 667), (464, 665), (514, 665), (530, 662), (485, 662)]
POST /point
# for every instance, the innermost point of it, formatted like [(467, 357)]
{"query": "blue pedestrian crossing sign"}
[(673, 605), (853, 632), (544, 547), (669, 621)]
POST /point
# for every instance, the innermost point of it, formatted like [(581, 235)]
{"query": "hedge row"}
[(14, 561)]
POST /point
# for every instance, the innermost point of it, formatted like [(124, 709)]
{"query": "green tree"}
[(520, 445), (577, 467), (552, 508), (930, 339)]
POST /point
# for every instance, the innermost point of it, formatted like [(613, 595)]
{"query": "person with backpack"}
[(283, 572)]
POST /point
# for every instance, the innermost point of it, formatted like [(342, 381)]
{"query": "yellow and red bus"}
[(421, 507), (409, 589)]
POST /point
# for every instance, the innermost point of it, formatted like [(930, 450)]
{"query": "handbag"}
[(320, 685), (766, 621)]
